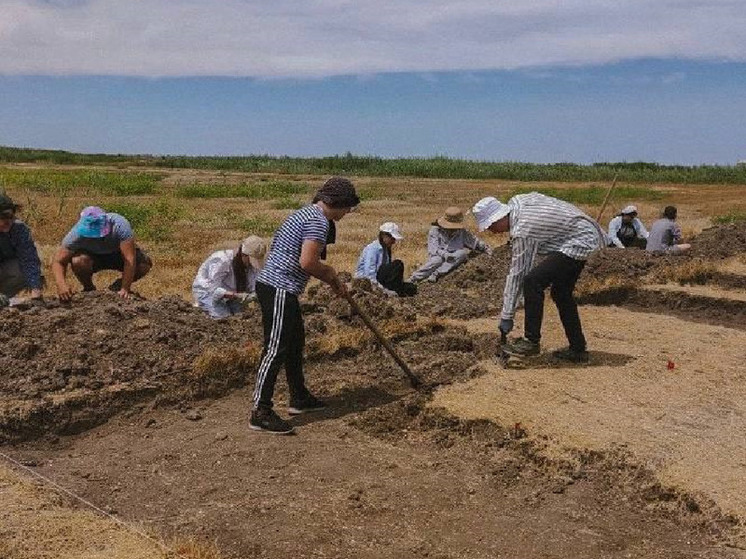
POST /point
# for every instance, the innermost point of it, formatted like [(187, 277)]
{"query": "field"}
[(140, 407)]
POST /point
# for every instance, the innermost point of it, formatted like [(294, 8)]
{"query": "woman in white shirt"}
[(226, 280)]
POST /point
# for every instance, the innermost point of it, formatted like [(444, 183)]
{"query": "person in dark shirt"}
[(20, 266)]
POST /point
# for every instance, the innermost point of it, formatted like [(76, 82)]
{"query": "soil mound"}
[(720, 241)]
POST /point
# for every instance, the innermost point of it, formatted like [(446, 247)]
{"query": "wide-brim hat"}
[(489, 210), (452, 218), (93, 223)]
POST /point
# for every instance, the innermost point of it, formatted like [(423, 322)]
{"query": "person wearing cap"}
[(626, 229), (543, 225), (448, 246), (295, 254), (99, 241), (226, 280), (375, 263), (20, 266), (665, 234)]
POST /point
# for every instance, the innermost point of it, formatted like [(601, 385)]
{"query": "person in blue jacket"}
[(376, 264), (20, 267)]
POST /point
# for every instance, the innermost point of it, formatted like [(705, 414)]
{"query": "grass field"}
[(181, 215)]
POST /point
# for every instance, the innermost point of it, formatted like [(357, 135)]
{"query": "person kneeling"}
[(375, 263), (227, 279), (20, 267)]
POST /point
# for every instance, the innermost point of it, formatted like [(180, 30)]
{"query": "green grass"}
[(433, 167), (259, 225), (153, 222), (254, 190), (288, 204), (731, 217), (93, 181), (594, 195)]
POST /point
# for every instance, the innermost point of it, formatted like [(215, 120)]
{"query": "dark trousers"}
[(391, 276), (561, 272), (284, 340)]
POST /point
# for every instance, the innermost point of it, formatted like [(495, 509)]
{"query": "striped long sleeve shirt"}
[(541, 224)]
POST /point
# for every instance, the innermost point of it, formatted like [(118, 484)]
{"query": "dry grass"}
[(199, 226), (691, 272)]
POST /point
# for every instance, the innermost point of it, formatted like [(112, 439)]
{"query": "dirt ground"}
[(141, 408)]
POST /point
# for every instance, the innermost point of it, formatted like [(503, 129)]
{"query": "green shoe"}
[(522, 348)]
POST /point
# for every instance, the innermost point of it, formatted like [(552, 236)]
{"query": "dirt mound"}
[(720, 241)]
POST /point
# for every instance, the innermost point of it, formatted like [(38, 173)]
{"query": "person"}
[(448, 246), (665, 234), (626, 229), (295, 254), (375, 263), (543, 225), (100, 241), (20, 266), (227, 279)]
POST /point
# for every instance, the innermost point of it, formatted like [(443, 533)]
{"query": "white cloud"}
[(316, 38)]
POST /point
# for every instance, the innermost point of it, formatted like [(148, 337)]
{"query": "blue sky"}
[(541, 81)]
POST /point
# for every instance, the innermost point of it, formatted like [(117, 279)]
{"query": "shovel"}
[(414, 380)]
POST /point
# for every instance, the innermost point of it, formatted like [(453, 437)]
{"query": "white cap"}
[(489, 210), (629, 210), (392, 229)]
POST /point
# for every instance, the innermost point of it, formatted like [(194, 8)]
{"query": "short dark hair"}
[(669, 212)]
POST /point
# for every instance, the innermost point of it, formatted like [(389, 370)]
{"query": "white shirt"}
[(616, 223), (215, 276)]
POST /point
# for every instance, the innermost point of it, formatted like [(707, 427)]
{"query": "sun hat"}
[(256, 249), (489, 210), (392, 229), (453, 218), (7, 206), (93, 223), (629, 210)]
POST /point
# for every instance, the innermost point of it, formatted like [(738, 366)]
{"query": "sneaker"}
[(308, 404), (567, 354), (522, 348), (267, 420)]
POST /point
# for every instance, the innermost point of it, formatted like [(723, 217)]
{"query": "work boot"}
[(306, 404), (571, 355), (263, 419), (522, 348)]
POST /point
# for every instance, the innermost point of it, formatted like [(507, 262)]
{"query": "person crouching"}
[(376, 264), (227, 279)]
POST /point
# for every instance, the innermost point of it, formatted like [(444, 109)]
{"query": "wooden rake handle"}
[(414, 380)]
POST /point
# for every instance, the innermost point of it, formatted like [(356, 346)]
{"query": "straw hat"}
[(453, 218)]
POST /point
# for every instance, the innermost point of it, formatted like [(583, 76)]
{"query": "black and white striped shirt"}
[(541, 224), (282, 269)]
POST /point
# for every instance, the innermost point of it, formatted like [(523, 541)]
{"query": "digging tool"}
[(606, 198), (414, 380)]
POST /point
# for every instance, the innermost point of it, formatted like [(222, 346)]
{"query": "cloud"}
[(318, 38)]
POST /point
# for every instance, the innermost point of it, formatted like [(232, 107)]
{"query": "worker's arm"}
[(310, 261), (524, 252), (127, 248), (59, 268)]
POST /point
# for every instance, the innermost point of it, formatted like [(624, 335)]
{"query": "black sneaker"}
[(269, 421), (521, 348), (308, 404), (571, 355)]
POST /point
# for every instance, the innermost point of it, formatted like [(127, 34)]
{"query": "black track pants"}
[(284, 340), (561, 272)]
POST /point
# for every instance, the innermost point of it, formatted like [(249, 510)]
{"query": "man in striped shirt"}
[(296, 254), (542, 225)]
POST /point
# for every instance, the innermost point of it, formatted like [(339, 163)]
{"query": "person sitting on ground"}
[(376, 265), (100, 241), (543, 225), (295, 254), (626, 230), (448, 246), (20, 266), (665, 234), (227, 279)]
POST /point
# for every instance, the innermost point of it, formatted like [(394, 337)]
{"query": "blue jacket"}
[(18, 244), (372, 258)]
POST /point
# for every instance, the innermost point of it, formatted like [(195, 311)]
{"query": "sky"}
[(539, 81)]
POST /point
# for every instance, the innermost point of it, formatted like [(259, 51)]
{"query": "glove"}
[(4, 300), (245, 298), (506, 325)]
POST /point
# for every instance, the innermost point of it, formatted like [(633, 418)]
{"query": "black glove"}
[(506, 325)]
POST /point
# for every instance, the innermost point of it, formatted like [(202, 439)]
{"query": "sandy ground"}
[(685, 423)]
